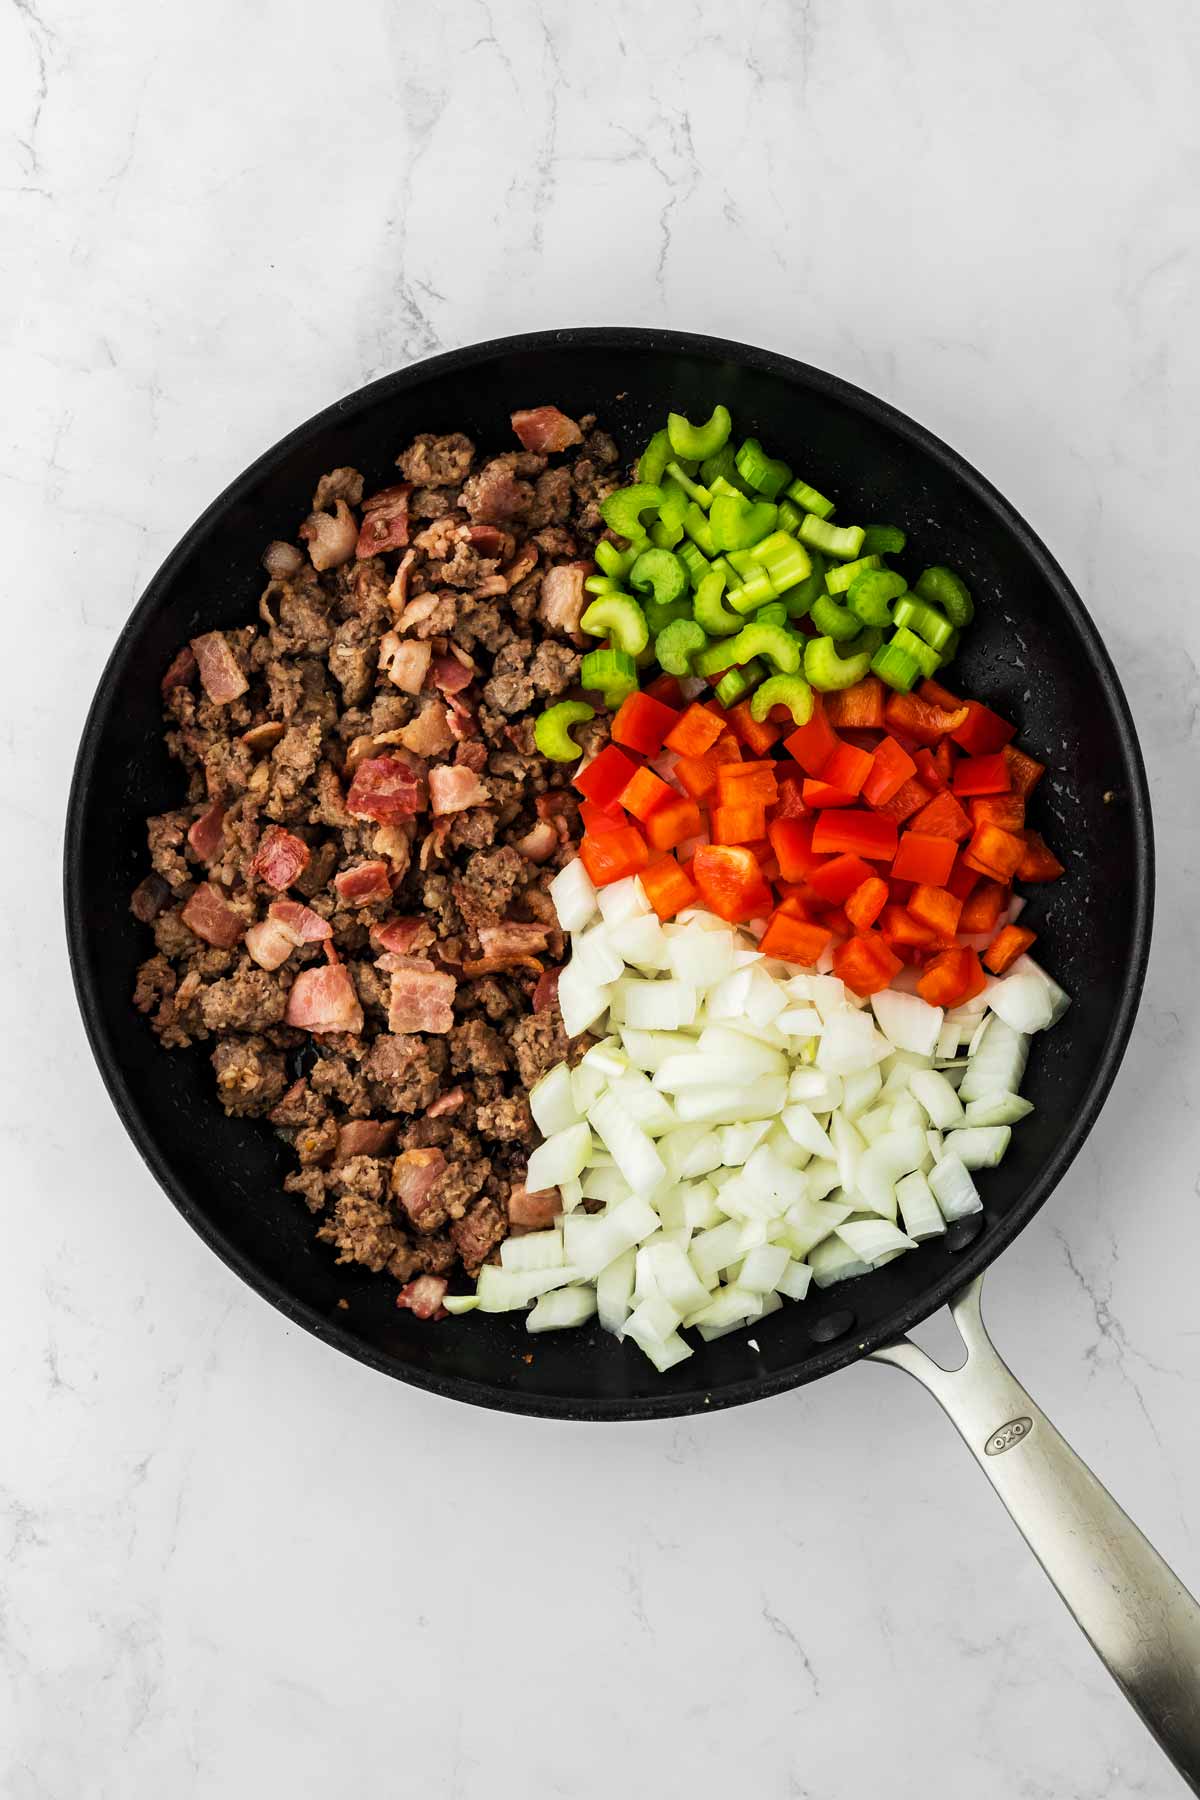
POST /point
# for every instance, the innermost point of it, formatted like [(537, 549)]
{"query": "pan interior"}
[(1033, 653)]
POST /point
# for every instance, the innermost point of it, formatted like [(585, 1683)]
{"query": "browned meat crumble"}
[(351, 903)]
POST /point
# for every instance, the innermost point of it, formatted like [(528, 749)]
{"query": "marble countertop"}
[(234, 1563)]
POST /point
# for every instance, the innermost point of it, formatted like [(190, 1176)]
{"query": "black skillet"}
[(1033, 652)]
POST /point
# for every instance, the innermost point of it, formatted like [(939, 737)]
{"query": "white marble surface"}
[(233, 1563)]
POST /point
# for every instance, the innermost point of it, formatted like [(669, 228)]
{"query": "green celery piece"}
[(695, 523), (622, 510), (709, 610), (927, 660), (927, 621), (893, 665), (738, 523), (665, 537), (780, 646), (614, 562), (883, 540), (799, 599), (694, 561), (699, 441), (842, 541), (870, 595), (620, 618), (766, 474), (659, 617), (752, 592), (809, 501), (654, 458), (827, 671), (834, 621), (678, 645), (723, 466), (735, 684), (694, 489), (942, 587), (551, 734), (774, 613), (837, 581), (608, 670), (791, 691), (660, 573)]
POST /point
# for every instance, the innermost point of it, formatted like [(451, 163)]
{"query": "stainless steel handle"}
[(1138, 1615)]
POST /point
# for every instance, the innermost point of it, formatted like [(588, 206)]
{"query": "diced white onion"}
[(998, 1109), (873, 1239), (559, 1159), (622, 900), (982, 1146), (563, 1309), (907, 1021), (550, 1099), (953, 1189), (919, 1210), (834, 1261), (937, 1097), (535, 1250), (574, 896)]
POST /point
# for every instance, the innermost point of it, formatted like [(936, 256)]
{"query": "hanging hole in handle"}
[(938, 1336)]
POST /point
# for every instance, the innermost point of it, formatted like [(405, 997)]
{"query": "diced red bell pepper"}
[(757, 738), (858, 708), (668, 888), (1005, 810), (642, 723), (643, 792), (943, 817), (951, 978), (731, 883), (673, 823), (925, 859), (866, 834), (903, 931), (1024, 771), (1009, 942), (813, 744), (837, 879), (891, 768), (906, 801), (790, 804), (963, 880), (737, 823), (605, 777), (599, 819), (866, 903), (615, 855), (935, 907), (667, 689), (792, 939), (697, 731), (982, 909), (818, 794), (945, 756), (930, 771), (983, 731), (1039, 862), (866, 964), (981, 775), (937, 695), (697, 775), (900, 891), (741, 783), (848, 768), (918, 720), (994, 852), (791, 840)]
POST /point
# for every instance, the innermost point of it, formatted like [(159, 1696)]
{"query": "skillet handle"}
[(1139, 1617)]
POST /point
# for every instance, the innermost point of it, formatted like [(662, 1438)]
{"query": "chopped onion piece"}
[(834, 1261), (937, 1097), (559, 1159), (1022, 1001), (907, 1021), (551, 1102), (918, 1209), (593, 958), (849, 1043), (622, 900), (574, 896), (859, 1090), (998, 1109), (657, 1005), (795, 1280), (580, 1000), (617, 1231), (873, 1239), (701, 958), (980, 1147), (730, 1306), (563, 1309), (614, 1290), (460, 1303), (631, 1149), (763, 1268), (652, 1321), (999, 1064), (953, 1189), (730, 1105), (802, 1127), (816, 1089), (535, 1250), (739, 1141), (507, 1290), (640, 941)]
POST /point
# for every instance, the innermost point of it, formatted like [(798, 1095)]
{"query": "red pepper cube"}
[(891, 768), (923, 859), (857, 708), (837, 879), (790, 782), (757, 738), (994, 852), (673, 823), (848, 768), (668, 887), (697, 775), (644, 792), (982, 910), (697, 731), (791, 840), (667, 689), (982, 731), (1024, 771), (982, 775), (902, 931), (813, 744), (943, 817), (937, 908), (642, 723), (741, 783), (906, 801), (1005, 810), (599, 819), (615, 855), (962, 880), (1009, 942), (731, 882), (866, 834), (1039, 862), (818, 794), (792, 939), (605, 777), (867, 902), (913, 718), (952, 978), (738, 824), (930, 770), (866, 964)]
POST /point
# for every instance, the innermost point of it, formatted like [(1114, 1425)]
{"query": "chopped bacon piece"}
[(324, 999), (449, 675), (361, 885), (539, 843), (386, 789), (300, 923), (207, 834), (533, 1211), (449, 1102), (364, 1137), (211, 917), (488, 540), (400, 936), (418, 610), (452, 788), (268, 944), (423, 1297), (406, 661), (397, 597), (181, 671), (545, 994), (500, 965), (281, 857), (513, 938), (265, 736), (414, 1176), (422, 997), (562, 597), (330, 537), (220, 673), (460, 718), (544, 429), (429, 734), (518, 568), (385, 521)]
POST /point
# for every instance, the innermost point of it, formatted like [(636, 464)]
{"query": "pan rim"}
[(987, 1248)]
